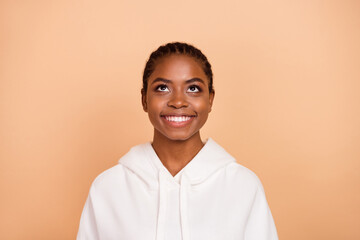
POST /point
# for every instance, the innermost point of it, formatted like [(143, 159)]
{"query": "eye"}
[(194, 89), (162, 88)]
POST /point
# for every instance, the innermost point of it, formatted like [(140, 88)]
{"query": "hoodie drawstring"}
[(162, 207), (184, 188)]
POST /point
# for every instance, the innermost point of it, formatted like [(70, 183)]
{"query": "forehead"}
[(178, 67)]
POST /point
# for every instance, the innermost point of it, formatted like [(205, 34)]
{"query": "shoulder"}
[(242, 176), (109, 177)]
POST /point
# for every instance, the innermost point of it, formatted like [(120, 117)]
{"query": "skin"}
[(178, 86)]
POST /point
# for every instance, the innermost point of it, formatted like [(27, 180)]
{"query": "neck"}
[(176, 154)]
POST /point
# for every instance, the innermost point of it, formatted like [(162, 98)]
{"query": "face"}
[(177, 99)]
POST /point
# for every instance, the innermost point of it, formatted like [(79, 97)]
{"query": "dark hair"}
[(177, 48)]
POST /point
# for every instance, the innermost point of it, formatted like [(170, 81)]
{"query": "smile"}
[(178, 121), (177, 118)]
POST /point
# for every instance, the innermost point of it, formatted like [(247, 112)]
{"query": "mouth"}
[(178, 121), (177, 118)]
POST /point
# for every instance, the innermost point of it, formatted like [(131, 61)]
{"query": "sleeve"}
[(260, 224), (88, 228)]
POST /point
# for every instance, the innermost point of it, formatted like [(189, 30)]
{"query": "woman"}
[(177, 187)]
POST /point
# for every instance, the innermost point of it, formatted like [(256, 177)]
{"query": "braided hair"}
[(181, 49)]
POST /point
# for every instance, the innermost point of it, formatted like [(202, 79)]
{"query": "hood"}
[(143, 161)]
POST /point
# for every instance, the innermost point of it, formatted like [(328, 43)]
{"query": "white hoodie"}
[(211, 198)]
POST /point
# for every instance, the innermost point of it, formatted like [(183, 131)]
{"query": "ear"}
[(143, 100), (211, 99)]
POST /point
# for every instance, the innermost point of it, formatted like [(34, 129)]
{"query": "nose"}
[(178, 100)]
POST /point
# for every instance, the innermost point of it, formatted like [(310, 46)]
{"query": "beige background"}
[(287, 105)]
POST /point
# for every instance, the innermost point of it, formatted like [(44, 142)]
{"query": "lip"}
[(177, 120)]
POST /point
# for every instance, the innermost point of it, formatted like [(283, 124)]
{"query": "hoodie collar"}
[(208, 160)]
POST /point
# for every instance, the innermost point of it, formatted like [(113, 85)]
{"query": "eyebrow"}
[(187, 81)]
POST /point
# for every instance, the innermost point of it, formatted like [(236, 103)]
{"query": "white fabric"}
[(211, 198)]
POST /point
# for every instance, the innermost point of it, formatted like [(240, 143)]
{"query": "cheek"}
[(202, 108), (154, 106)]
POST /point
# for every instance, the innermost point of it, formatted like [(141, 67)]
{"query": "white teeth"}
[(177, 119)]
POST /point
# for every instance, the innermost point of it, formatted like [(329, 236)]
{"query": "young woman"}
[(177, 187)]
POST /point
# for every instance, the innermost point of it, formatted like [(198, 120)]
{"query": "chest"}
[(212, 212)]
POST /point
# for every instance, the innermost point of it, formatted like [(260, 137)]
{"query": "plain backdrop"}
[(287, 104)]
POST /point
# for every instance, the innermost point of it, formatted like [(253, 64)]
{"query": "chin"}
[(178, 138), (173, 136)]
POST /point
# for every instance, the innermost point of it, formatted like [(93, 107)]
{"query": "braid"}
[(176, 48)]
